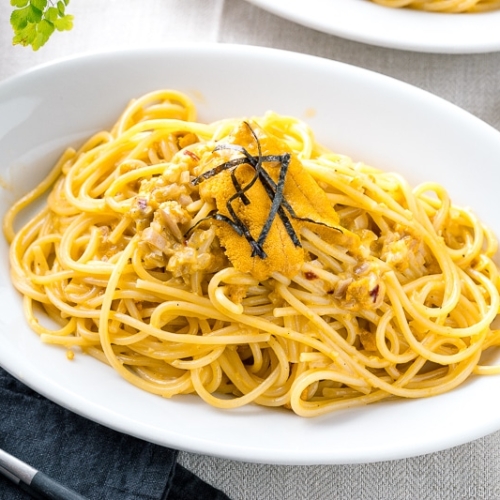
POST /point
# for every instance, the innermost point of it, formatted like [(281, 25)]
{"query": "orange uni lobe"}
[(245, 197)]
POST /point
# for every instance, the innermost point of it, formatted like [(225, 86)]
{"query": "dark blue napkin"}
[(95, 461)]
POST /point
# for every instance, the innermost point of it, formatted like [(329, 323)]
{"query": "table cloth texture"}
[(469, 471)]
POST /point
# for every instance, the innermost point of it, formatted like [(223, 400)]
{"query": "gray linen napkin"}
[(93, 460)]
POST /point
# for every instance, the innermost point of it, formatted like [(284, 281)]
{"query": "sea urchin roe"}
[(304, 202)]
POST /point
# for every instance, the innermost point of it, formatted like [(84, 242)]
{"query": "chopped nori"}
[(275, 191)]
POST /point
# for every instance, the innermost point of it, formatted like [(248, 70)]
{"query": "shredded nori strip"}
[(220, 168), (275, 191), (237, 187), (276, 201)]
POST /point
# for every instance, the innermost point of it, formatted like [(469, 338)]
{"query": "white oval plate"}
[(365, 21), (368, 116)]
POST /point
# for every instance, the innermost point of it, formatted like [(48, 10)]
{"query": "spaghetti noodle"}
[(245, 263), (451, 6)]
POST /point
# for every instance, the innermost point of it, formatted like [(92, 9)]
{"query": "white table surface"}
[(470, 471)]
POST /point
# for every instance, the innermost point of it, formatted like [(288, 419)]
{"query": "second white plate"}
[(364, 21)]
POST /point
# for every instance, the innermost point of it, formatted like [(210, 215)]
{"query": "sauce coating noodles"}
[(142, 255), (444, 5)]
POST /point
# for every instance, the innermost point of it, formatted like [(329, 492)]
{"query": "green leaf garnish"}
[(39, 4), (19, 3), (34, 21)]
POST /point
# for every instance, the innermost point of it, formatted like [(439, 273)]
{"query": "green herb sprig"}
[(34, 21)]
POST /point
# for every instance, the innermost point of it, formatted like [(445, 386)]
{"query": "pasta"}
[(452, 6), (243, 262)]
